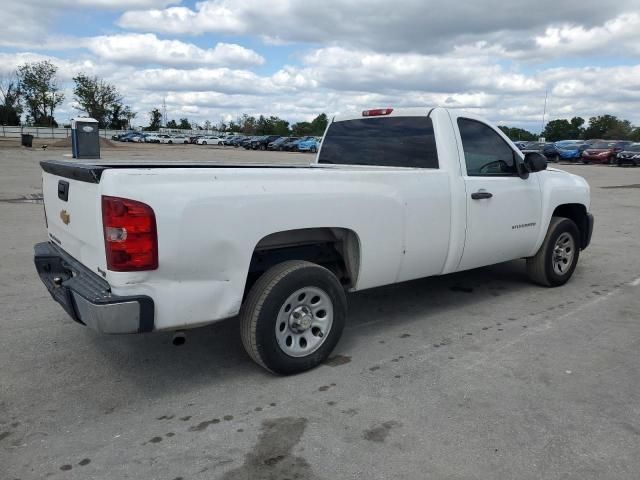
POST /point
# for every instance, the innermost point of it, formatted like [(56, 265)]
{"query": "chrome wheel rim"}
[(304, 321), (563, 253)]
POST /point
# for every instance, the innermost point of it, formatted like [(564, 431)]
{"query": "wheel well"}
[(337, 249), (578, 213)]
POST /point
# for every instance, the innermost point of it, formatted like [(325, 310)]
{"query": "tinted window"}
[(485, 152), (634, 148), (387, 142)]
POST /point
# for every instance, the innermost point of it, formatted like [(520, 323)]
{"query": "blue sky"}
[(216, 59)]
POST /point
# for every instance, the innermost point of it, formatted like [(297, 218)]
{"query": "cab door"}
[(503, 210)]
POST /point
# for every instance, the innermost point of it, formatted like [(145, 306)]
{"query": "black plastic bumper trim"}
[(52, 262)]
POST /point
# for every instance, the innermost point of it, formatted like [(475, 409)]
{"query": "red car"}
[(604, 152)]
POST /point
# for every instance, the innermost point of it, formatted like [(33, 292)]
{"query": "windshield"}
[(602, 146), (633, 148)]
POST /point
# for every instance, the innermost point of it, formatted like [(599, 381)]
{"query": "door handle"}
[(481, 194)]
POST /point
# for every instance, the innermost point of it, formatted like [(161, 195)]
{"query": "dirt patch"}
[(272, 458)]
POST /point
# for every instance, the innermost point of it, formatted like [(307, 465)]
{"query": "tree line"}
[(606, 127), (246, 124)]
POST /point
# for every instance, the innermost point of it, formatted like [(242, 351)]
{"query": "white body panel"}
[(409, 223)]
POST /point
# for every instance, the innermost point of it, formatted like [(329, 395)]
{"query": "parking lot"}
[(473, 375)]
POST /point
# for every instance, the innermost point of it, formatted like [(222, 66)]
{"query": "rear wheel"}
[(313, 149), (204, 143), (558, 256), (293, 317)]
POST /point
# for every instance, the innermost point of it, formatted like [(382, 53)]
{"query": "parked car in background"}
[(245, 142), (310, 145), (277, 144), (164, 138), (142, 138), (152, 138), (292, 146), (548, 149), (117, 136), (520, 144), (569, 149), (179, 139), (630, 155), (604, 152), (209, 140), (237, 140), (261, 143), (126, 137)]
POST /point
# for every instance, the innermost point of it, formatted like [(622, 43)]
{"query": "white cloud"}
[(144, 49), (412, 26)]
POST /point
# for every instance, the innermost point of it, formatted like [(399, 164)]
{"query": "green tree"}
[(278, 126), (207, 125), (319, 125), (98, 99), (563, 129), (184, 124), (302, 129), (10, 107), (172, 124), (247, 124), (515, 133), (155, 120), (608, 127), (38, 85)]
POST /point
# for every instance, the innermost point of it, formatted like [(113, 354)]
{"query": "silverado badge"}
[(65, 217)]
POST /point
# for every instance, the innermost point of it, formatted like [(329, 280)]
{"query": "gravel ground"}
[(474, 375)]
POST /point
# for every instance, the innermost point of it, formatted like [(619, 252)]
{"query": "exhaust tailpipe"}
[(179, 338)]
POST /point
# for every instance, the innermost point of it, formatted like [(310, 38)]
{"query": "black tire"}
[(259, 315), (204, 143), (263, 147), (540, 267), (170, 142), (314, 149)]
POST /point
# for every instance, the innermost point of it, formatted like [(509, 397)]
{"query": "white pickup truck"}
[(393, 195)]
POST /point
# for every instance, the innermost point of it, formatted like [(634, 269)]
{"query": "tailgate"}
[(74, 218)]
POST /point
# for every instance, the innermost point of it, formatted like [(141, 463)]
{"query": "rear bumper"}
[(87, 297)]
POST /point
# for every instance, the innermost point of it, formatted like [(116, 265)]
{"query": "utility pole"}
[(164, 111), (544, 111)]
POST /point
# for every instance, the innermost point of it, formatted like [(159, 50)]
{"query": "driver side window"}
[(485, 152)]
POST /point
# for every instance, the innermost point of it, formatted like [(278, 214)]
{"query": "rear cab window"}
[(386, 142)]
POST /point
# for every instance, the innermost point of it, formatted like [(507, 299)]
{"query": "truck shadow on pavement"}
[(214, 353)]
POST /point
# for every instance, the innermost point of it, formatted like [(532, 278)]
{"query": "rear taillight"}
[(130, 237), (377, 112)]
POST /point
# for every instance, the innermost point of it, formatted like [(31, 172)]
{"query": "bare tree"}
[(10, 107)]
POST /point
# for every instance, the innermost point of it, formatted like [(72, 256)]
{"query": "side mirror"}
[(535, 162)]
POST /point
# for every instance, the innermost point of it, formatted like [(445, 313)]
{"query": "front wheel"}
[(293, 317), (558, 256)]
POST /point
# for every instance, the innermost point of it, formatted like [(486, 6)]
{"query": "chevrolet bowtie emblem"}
[(65, 217)]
